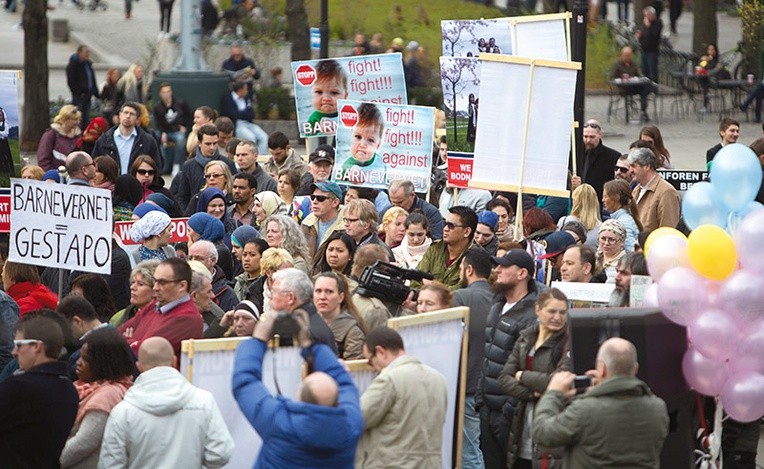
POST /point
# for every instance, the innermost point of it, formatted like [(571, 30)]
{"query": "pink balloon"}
[(703, 374), (650, 299), (665, 254), (743, 396), (712, 292), (750, 349), (681, 295), (742, 295), (714, 334), (748, 241)]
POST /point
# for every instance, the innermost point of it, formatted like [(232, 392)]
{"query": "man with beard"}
[(596, 166), (477, 295), (513, 312), (632, 263), (244, 189)]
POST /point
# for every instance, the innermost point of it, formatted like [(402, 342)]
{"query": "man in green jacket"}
[(443, 258), (617, 423)]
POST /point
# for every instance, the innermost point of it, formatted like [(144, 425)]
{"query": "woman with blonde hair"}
[(131, 86), (281, 231), (392, 229), (586, 209), (203, 115), (60, 138), (32, 171), (272, 260)]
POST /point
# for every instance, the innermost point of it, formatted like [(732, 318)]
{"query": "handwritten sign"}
[(178, 232), (320, 84), (57, 225), (379, 143), (459, 170)]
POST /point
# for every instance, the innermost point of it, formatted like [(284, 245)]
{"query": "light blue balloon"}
[(702, 205), (736, 175), (735, 218)]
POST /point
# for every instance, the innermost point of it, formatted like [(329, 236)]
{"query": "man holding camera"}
[(443, 258), (617, 422), (322, 427)]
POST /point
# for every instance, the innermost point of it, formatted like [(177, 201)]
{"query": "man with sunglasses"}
[(443, 258), (595, 166), (39, 405), (172, 315), (623, 171), (326, 215)]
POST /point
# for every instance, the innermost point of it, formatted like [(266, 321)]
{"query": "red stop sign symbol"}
[(348, 115), (305, 74)]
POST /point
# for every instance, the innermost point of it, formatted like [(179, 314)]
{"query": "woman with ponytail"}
[(618, 201)]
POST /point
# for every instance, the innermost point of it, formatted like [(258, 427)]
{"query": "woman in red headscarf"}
[(95, 129)]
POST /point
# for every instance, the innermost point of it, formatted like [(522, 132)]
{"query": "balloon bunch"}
[(713, 284)]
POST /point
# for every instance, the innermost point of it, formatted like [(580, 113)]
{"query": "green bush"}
[(601, 52), (278, 99)]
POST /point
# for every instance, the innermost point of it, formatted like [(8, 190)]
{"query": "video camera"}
[(287, 328), (387, 282)]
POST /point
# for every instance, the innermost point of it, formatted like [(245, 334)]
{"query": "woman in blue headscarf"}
[(213, 201), (203, 226)]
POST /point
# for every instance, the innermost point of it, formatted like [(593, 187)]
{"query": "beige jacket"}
[(310, 228), (659, 205), (404, 410), (292, 161)]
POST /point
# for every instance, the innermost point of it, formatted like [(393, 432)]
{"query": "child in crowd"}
[(365, 165), (331, 84)]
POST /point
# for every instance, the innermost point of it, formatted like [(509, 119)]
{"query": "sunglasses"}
[(213, 175), (144, 172), (621, 169), (593, 126), (452, 225), (320, 198)]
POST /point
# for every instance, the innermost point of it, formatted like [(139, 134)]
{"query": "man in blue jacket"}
[(321, 428)]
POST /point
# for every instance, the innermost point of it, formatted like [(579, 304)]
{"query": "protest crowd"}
[(90, 362)]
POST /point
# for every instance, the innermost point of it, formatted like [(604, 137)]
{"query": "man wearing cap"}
[(443, 257), (246, 160), (326, 215), (578, 264), (556, 243), (509, 315), (320, 164), (485, 233), (596, 166)]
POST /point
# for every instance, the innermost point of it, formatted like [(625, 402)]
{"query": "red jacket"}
[(180, 323), (31, 296)]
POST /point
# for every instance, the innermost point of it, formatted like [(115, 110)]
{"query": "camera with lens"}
[(388, 282), (287, 328)]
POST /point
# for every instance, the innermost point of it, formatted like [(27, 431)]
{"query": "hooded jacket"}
[(298, 434), (31, 296), (165, 422)]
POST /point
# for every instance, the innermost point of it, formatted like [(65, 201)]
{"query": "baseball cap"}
[(516, 257), (327, 186), (556, 243), (322, 153)]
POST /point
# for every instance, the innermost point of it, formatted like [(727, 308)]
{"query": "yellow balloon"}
[(712, 252), (660, 233)]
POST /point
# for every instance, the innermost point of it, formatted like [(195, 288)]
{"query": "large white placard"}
[(209, 363), (526, 116), (63, 226), (541, 36)]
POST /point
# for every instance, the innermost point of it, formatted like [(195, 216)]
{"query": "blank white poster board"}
[(524, 136), (542, 36), (208, 364)]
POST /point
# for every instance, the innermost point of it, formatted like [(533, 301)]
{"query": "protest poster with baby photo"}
[(378, 143), (319, 84)]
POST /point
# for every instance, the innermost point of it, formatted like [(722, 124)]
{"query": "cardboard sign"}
[(63, 226), (683, 179), (320, 84), (179, 231), (378, 143), (459, 170)]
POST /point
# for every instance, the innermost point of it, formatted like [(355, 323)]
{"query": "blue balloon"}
[(703, 206), (736, 175)]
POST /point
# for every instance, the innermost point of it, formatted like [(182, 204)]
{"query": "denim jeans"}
[(176, 155), (472, 457), (253, 132)]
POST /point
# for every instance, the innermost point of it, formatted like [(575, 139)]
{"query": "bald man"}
[(321, 427), (617, 422), (80, 168), (163, 418)]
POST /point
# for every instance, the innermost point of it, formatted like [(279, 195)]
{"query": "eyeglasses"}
[(593, 126), (19, 343), (92, 163), (320, 198), (621, 169), (213, 175), (162, 282), (452, 225), (144, 172), (606, 240), (350, 220)]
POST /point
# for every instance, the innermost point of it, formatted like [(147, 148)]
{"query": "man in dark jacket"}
[(40, 404), (598, 162), (238, 67), (477, 295), (124, 142), (190, 179), (512, 312), (237, 106), (82, 83), (649, 36), (402, 195), (172, 117)]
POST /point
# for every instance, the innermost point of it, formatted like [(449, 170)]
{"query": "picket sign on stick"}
[(542, 36)]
